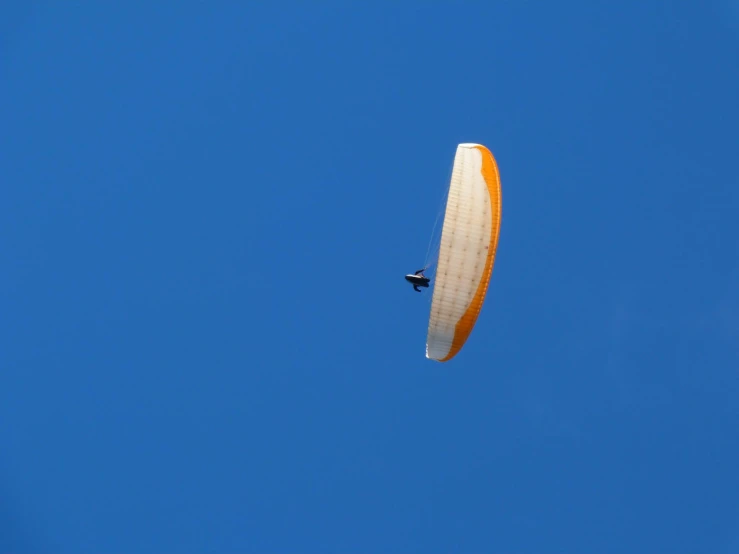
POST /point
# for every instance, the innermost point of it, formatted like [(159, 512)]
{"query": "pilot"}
[(418, 279)]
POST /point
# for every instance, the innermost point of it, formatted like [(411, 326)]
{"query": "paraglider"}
[(469, 240)]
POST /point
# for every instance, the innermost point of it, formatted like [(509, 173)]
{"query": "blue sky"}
[(206, 342)]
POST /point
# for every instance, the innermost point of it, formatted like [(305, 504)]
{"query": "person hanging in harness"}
[(418, 279)]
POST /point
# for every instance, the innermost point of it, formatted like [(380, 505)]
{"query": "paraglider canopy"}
[(469, 240)]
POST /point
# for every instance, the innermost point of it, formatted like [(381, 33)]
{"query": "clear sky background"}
[(206, 342)]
